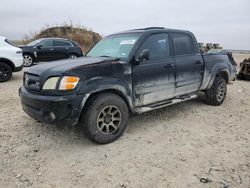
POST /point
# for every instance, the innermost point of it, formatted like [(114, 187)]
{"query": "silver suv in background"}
[(11, 59)]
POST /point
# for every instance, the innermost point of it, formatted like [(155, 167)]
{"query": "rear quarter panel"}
[(215, 63)]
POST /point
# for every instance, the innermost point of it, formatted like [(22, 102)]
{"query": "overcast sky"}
[(217, 21)]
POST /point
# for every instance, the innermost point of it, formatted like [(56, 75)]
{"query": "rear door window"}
[(47, 43), (183, 44), (158, 46), (59, 43)]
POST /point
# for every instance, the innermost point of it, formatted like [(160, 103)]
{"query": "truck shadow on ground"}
[(75, 135), (176, 111), (15, 78)]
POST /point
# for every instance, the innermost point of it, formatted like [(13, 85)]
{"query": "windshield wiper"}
[(106, 56)]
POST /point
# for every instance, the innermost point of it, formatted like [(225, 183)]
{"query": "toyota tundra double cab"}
[(129, 72)]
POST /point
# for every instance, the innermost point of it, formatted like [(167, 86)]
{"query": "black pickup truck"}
[(128, 72)]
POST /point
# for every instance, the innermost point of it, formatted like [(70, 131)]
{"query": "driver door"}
[(154, 79)]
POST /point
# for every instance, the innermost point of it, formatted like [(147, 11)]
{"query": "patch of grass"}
[(85, 37)]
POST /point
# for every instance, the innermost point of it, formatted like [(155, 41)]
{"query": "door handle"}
[(51, 49), (168, 65), (198, 62)]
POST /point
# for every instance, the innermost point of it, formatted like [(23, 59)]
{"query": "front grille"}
[(31, 81)]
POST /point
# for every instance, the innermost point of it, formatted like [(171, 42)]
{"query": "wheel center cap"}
[(108, 119)]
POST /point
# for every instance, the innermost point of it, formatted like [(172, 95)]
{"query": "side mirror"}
[(39, 46), (144, 55)]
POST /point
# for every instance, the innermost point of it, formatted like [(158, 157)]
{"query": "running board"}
[(164, 103)]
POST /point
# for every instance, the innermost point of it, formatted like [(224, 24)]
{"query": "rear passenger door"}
[(189, 63), (61, 49), (154, 79), (45, 52)]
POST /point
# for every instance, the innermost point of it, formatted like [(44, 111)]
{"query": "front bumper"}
[(61, 110)]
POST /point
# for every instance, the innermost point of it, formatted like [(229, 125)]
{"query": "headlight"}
[(68, 83), (50, 83)]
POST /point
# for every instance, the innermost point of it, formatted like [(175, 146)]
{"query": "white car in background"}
[(11, 59)]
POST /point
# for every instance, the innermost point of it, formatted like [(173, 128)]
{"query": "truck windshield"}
[(118, 46)]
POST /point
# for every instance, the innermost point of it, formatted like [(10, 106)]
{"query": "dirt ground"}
[(172, 147)]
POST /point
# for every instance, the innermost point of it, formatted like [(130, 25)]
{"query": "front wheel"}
[(27, 60), (105, 118), (5, 72), (217, 93)]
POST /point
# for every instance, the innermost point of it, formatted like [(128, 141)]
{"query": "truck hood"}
[(61, 66)]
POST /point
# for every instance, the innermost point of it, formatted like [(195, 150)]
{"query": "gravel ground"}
[(186, 145)]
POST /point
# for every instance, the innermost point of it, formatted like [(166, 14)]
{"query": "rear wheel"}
[(105, 118), (72, 56), (27, 60), (5, 72), (217, 93)]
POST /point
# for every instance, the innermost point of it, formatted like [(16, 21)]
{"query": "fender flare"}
[(113, 85), (217, 71), (9, 62)]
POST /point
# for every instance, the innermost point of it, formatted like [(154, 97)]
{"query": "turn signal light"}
[(68, 82)]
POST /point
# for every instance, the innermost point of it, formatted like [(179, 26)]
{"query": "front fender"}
[(102, 84), (9, 62)]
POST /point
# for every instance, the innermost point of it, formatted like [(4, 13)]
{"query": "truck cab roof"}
[(154, 29)]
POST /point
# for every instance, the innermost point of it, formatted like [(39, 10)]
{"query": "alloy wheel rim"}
[(72, 57), (220, 92), (4, 72), (27, 60), (109, 119)]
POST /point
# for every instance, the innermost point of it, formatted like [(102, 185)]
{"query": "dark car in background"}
[(50, 49)]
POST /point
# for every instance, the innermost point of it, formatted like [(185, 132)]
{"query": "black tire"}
[(5, 72), (28, 60), (72, 56), (217, 93), (241, 76), (97, 126)]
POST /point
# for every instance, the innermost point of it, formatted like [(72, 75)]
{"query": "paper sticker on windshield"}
[(127, 42)]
